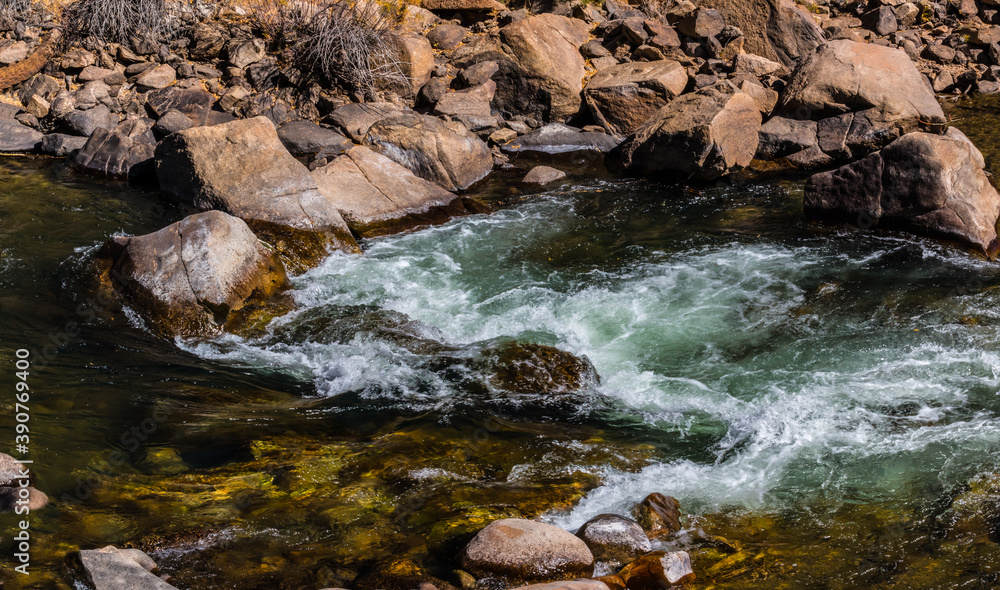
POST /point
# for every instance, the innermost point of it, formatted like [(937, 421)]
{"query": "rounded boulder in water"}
[(659, 515), (614, 538), (527, 551)]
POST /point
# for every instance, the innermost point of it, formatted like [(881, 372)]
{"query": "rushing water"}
[(823, 401)]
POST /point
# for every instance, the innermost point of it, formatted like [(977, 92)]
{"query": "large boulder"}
[(378, 196), (527, 550), (705, 134), (621, 98), (242, 168), (779, 30), (356, 119), (306, 137), (194, 103), (446, 154), (190, 277), (930, 184), (416, 59), (874, 95), (547, 46), (471, 107), (116, 155), (111, 568)]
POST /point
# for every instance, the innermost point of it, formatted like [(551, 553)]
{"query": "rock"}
[(417, 20), (9, 497), (158, 77), (930, 184), (92, 73), (446, 154), (10, 469), (702, 23), (765, 98), (462, 5), (37, 107), (14, 53), (614, 538), (547, 47), (471, 107), (479, 73), (542, 175), (881, 20), (433, 91), (172, 122), (592, 49), (244, 53), (557, 138), (207, 41), (571, 585), (527, 368), (754, 65), (658, 515), (77, 59), (621, 98), (526, 550), (242, 168), (111, 568), (60, 145), (356, 119), (191, 277), (705, 134), (447, 36), (658, 570), (15, 137), (116, 155), (781, 137), (416, 59), (86, 122), (939, 53), (502, 136), (40, 85), (776, 29), (845, 76), (378, 196), (306, 137)]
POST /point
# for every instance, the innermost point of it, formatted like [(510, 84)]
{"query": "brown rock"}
[(460, 5), (621, 98), (526, 550), (547, 47), (542, 175), (378, 196), (779, 30), (705, 134), (416, 59), (930, 184), (614, 538), (658, 570), (659, 515)]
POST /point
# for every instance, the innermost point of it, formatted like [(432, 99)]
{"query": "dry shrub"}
[(345, 42), (350, 43), (15, 11), (115, 21)]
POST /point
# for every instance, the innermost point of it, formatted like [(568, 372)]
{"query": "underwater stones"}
[(11, 498), (929, 184), (570, 585), (614, 538), (658, 515), (111, 568), (526, 550), (536, 368), (189, 277), (242, 168), (658, 570)]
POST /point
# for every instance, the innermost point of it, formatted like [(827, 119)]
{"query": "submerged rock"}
[(111, 568), (378, 196), (537, 368), (614, 538), (930, 184), (242, 168), (190, 278), (658, 570), (569, 585), (659, 515), (527, 550)]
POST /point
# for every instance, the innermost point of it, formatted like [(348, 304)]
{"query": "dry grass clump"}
[(115, 21), (345, 42), (15, 11)]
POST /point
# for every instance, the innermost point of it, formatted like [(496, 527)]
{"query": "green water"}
[(823, 401)]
